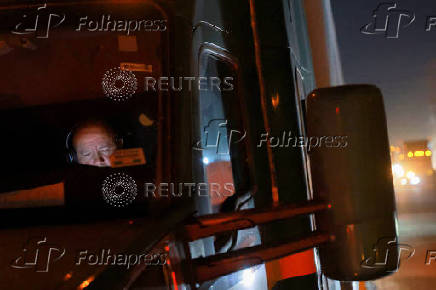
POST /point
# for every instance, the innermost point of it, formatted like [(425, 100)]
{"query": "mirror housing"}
[(351, 169)]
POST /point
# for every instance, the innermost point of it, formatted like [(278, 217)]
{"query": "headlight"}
[(397, 170), (415, 180), (410, 174)]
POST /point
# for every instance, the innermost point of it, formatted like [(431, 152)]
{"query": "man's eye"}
[(105, 150), (86, 154)]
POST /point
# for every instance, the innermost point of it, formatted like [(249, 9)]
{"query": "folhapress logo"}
[(387, 253), (388, 20), (39, 22), (219, 137), (37, 254)]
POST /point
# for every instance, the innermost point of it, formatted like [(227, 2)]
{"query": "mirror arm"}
[(205, 269), (209, 225)]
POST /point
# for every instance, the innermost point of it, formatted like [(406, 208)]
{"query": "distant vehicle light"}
[(206, 160), (403, 181), (428, 153), (86, 283), (410, 154), (419, 153), (397, 170), (415, 180), (410, 174)]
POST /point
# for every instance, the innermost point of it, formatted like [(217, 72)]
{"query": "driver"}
[(93, 143)]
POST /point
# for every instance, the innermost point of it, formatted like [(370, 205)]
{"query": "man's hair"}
[(89, 123)]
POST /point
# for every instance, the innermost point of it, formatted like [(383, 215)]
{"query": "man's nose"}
[(102, 160)]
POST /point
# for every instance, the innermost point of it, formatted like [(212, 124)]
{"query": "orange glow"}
[(337, 110), (275, 195), (395, 149), (428, 153), (130, 222), (410, 154), (419, 153), (275, 99), (299, 264), (173, 276), (86, 283), (401, 157), (68, 276)]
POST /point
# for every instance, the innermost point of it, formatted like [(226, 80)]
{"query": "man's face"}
[(94, 145)]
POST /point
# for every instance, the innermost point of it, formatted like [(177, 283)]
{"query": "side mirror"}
[(351, 169)]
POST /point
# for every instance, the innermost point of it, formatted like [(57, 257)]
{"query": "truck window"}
[(56, 77)]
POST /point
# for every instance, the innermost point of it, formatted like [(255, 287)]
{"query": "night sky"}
[(404, 68)]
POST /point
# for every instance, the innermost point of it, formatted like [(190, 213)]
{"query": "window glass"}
[(67, 68)]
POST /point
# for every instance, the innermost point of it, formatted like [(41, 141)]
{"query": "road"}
[(417, 228)]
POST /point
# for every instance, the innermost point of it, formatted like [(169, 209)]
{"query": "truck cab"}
[(258, 181)]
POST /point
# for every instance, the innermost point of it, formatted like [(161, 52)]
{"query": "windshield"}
[(72, 98)]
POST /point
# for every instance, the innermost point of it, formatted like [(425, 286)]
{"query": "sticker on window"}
[(127, 157), (136, 67)]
